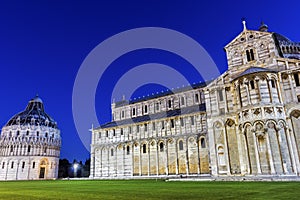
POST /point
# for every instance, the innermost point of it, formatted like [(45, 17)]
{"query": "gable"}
[(246, 36)]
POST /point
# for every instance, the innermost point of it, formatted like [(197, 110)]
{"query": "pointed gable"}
[(244, 36)]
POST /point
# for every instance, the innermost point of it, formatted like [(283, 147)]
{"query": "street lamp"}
[(75, 167)]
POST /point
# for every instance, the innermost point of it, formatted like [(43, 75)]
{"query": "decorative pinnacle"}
[(244, 23)]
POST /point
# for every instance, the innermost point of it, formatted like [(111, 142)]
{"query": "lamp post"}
[(75, 167)]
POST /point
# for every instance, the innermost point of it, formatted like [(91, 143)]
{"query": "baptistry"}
[(30, 145)]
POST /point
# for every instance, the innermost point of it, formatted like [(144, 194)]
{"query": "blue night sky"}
[(43, 44)]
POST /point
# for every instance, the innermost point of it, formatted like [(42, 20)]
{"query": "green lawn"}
[(147, 189)]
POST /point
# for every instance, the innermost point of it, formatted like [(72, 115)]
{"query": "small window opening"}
[(181, 122), (250, 55), (197, 98), (161, 147), (252, 85), (170, 103), (180, 145), (182, 101), (221, 98), (203, 145), (273, 83), (172, 123), (192, 120), (111, 152), (144, 148), (296, 77)]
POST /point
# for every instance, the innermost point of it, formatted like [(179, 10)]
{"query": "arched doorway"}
[(43, 169)]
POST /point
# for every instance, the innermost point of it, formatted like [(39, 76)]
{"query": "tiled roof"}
[(252, 70), (169, 92), (170, 113)]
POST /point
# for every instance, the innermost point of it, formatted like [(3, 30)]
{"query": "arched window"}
[(252, 85), (172, 123), (122, 131), (27, 132), (46, 134), (180, 145), (127, 150), (197, 98), (12, 165), (273, 83), (283, 49), (192, 120), (296, 78), (250, 55), (181, 122), (3, 165), (144, 148), (133, 112), (182, 101), (37, 134), (157, 106), (202, 141), (18, 133), (146, 109), (111, 152), (28, 149), (161, 147), (170, 103), (221, 98)]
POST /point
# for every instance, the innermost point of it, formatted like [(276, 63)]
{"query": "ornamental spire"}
[(244, 23)]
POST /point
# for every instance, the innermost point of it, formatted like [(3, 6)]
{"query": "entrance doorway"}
[(43, 169), (42, 172)]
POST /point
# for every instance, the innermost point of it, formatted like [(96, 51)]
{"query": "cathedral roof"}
[(291, 48), (165, 93), (34, 114), (252, 70), (144, 118)]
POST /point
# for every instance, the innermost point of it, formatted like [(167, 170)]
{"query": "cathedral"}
[(30, 145), (246, 122)]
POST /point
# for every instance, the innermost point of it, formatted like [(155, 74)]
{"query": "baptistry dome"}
[(34, 114), (30, 145)]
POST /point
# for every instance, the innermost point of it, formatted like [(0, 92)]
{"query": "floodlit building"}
[(30, 145), (245, 122)]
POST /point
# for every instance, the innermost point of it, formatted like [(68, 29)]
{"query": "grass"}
[(147, 189)]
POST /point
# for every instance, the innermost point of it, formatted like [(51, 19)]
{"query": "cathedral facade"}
[(30, 145), (245, 122)]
